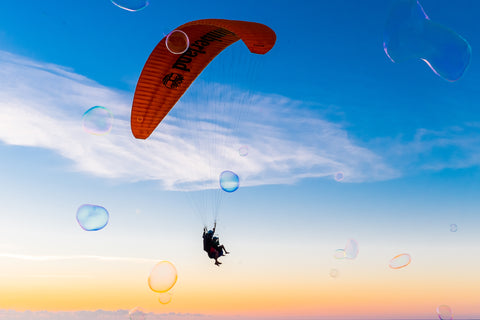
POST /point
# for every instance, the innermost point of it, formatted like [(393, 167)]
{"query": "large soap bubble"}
[(177, 42), (162, 277), (410, 34), (97, 120), (91, 217), (229, 181), (131, 5), (444, 312), (136, 313), (400, 261)]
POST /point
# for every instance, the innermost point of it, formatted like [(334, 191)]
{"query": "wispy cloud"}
[(41, 105)]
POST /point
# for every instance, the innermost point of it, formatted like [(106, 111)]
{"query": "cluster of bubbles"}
[(162, 278), (136, 313), (350, 251), (453, 227), (92, 217), (229, 181), (444, 312), (400, 261), (131, 5), (410, 34), (177, 42), (97, 120)]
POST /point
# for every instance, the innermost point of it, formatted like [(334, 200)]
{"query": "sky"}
[(325, 100)]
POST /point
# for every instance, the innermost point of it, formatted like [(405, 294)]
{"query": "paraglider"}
[(168, 74)]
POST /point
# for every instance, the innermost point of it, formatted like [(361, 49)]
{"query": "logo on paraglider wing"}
[(172, 80)]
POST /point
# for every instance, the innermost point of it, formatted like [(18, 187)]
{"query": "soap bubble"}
[(91, 217), (410, 34), (97, 120), (351, 249), (333, 273), (453, 227), (229, 181), (136, 313), (243, 151), (444, 312), (177, 42), (400, 261), (131, 5), (339, 176), (162, 277), (165, 297)]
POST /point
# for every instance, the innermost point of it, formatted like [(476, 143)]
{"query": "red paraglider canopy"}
[(166, 76)]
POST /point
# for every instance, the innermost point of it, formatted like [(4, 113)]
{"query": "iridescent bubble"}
[(177, 42), (339, 176), (351, 249), (97, 120), (410, 34), (131, 5), (136, 313), (400, 261), (162, 277), (91, 217), (229, 181), (165, 297), (444, 312), (243, 151), (333, 273), (339, 254), (453, 227)]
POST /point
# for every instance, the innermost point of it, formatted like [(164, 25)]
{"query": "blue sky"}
[(325, 99)]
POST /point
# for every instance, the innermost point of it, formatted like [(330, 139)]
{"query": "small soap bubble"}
[(97, 120), (177, 42), (333, 273), (136, 313), (91, 217), (339, 176), (243, 151), (229, 181), (400, 261), (444, 312), (410, 34), (453, 227), (162, 277), (165, 297), (339, 254), (131, 5)]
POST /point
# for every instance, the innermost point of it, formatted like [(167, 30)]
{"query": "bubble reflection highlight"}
[(131, 5), (410, 34)]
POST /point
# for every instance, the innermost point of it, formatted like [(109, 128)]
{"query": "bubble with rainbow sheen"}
[(444, 312), (453, 227), (351, 249), (131, 5), (97, 120), (162, 277), (339, 254), (177, 42), (229, 181), (243, 151), (333, 273), (136, 313), (339, 176), (400, 261), (165, 297), (92, 217), (410, 34)]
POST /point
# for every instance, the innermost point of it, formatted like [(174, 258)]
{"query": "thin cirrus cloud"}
[(41, 105)]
